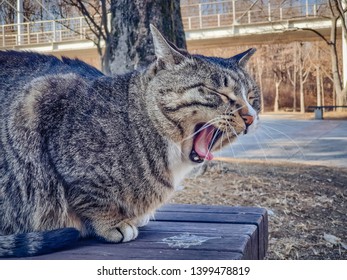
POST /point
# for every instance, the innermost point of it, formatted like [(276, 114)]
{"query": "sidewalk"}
[(283, 138)]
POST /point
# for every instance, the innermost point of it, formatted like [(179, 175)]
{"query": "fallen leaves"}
[(306, 204)]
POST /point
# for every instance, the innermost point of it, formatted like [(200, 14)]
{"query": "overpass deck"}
[(205, 24)]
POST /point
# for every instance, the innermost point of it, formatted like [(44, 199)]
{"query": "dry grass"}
[(335, 115), (309, 116), (306, 204)]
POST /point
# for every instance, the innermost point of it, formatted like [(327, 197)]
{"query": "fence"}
[(194, 16), (43, 32), (228, 13)]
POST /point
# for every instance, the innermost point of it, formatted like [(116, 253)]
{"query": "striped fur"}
[(83, 154)]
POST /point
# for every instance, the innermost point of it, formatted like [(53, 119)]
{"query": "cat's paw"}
[(142, 221), (128, 230), (123, 232)]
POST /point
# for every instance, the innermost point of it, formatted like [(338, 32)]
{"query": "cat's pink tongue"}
[(202, 141)]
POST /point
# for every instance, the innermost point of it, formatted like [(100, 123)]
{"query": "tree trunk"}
[(322, 90), (294, 93), (295, 70), (278, 82), (260, 69), (303, 75), (132, 42), (301, 82), (319, 95), (276, 104), (292, 77)]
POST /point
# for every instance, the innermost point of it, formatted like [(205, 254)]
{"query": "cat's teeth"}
[(195, 157)]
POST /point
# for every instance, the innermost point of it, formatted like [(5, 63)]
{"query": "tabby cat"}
[(87, 155)]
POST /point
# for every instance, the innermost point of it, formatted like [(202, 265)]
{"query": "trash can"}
[(318, 113)]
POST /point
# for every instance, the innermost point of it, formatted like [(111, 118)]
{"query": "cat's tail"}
[(37, 243)]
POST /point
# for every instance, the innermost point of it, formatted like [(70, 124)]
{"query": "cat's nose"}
[(248, 119)]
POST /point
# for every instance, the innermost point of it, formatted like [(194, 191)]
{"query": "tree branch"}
[(341, 12), (104, 18), (92, 24), (250, 8), (290, 77), (318, 34)]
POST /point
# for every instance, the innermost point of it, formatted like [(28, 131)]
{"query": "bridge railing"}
[(194, 16), (229, 13), (43, 32)]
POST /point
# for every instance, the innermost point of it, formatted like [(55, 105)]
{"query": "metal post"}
[(54, 31), (200, 15), (234, 12), (269, 11), (307, 8), (20, 38), (28, 32)]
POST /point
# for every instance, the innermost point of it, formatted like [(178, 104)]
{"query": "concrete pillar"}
[(20, 22)]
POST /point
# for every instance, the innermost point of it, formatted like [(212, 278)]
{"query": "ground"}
[(306, 204)]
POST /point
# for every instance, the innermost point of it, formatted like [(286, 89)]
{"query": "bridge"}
[(222, 23)]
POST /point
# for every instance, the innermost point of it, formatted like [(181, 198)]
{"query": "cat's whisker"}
[(263, 150), (209, 123), (220, 148), (260, 146), (236, 136), (231, 148), (273, 140), (213, 121), (178, 148), (213, 139), (266, 127)]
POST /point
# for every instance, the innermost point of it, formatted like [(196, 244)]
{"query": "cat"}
[(88, 155)]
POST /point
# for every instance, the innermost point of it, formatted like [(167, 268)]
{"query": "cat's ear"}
[(164, 50), (242, 58)]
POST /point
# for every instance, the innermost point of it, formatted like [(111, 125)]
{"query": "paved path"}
[(321, 142)]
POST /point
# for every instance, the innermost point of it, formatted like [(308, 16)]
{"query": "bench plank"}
[(185, 232), (246, 215), (105, 253)]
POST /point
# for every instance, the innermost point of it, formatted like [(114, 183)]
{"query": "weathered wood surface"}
[(186, 232)]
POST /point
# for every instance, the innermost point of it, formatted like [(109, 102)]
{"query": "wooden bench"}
[(182, 231), (318, 110)]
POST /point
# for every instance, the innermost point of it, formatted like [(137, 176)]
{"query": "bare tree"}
[(318, 74), (96, 13), (7, 11), (260, 70), (292, 71), (303, 75), (337, 13), (279, 77)]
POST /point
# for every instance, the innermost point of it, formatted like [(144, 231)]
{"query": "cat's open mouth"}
[(205, 138)]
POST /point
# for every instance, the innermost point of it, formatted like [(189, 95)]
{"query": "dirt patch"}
[(306, 204)]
